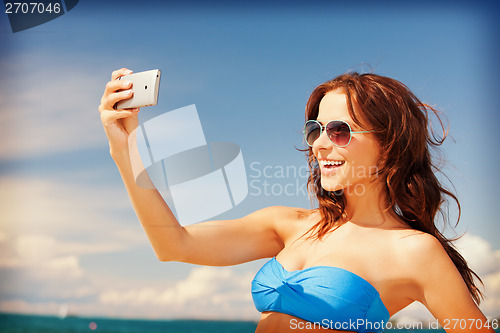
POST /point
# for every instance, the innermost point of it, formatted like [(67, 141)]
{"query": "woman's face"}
[(348, 168)]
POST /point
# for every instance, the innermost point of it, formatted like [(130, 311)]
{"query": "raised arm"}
[(442, 289), (210, 243)]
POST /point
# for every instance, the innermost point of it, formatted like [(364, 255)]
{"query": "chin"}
[(331, 187)]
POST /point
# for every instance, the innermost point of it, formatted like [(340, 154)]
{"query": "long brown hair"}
[(400, 123)]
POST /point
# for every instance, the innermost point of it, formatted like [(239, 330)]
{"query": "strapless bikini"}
[(328, 296)]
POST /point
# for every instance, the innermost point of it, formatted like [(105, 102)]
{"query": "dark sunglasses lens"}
[(339, 133), (312, 132)]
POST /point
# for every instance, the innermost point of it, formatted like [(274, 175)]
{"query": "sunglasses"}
[(338, 131)]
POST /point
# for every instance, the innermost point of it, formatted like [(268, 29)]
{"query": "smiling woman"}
[(371, 247)]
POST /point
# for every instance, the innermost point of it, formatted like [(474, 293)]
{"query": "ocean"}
[(13, 323)]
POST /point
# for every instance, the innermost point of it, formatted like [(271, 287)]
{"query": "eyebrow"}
[(323, 122), (352, 124)]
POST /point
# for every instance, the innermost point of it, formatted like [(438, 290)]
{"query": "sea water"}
[(13, 323), (44, 324)]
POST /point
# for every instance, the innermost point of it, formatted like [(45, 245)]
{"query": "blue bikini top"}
[(330, 297)]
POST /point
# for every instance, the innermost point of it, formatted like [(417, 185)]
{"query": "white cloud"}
[(206, 291), (48, 227), (491, 305), (35, 251), (486, 263), (34, 247), (46, 110), (30, 205), (479, 254), (415, 312), (47, 279), (22, 306), (3, 236), (65, 264)]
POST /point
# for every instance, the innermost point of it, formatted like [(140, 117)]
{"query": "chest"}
[(363, 253), (369, 256)]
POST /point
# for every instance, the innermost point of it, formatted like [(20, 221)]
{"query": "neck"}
[(366, 205)]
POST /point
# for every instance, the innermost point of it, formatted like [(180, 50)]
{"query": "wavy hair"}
[(401, 125)]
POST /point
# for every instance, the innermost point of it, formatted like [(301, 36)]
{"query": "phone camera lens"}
[(145, 87)]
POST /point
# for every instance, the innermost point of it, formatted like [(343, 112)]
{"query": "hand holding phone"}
[(145, 86)]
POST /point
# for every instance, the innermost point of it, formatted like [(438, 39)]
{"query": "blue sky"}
[(68, 234)]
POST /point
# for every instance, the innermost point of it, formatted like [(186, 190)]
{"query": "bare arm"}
[(209, 243), (443, 291)]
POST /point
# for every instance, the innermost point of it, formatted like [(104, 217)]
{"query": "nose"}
[(323, 141)]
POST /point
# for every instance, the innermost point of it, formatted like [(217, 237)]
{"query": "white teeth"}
[(326, 162)]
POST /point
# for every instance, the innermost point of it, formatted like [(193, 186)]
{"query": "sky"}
[(68, 235)]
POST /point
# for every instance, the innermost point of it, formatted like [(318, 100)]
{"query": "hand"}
[(118, 124)]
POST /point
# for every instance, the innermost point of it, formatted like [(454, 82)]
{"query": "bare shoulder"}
[(419, 251), (288, 220), (274, 214), (438, 283), (283, 213), (280, 219), (412, 241)]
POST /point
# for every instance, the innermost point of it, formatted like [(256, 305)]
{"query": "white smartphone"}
[(145, 86)]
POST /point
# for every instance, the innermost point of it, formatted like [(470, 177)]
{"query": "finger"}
[(113, 86), (119, 73), (108, 103), (109, 117)]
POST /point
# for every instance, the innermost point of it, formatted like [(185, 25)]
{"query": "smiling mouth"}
[(327, 165)]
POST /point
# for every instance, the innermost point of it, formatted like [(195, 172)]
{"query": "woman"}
[(368, 251)]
